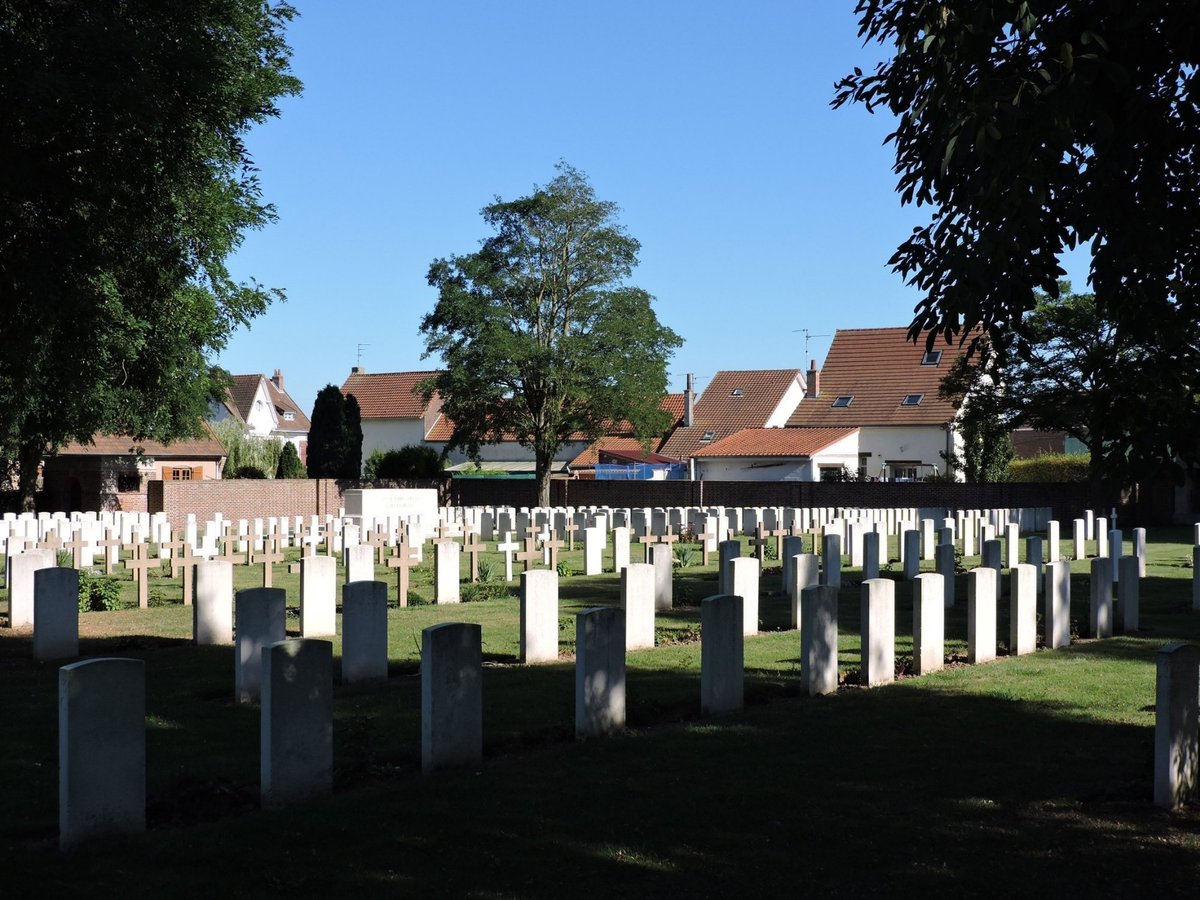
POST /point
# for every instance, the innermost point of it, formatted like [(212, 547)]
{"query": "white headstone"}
[(260, 618), (637, 599), (212, 609), (539, 616), (722, 654), (447, 572), (819, 640), (296, 730), (364, 632), (929, 621), (878, 631), (318, 596), (599, 671), (1022, 610), (451, 696), (981, 614), (55, 613)]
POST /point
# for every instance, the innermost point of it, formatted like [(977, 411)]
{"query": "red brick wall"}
[(245, 498)]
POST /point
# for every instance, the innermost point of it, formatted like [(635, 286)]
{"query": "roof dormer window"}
[(737, 392), (707, 436), (289, 416), (931, 358), (843, 401), (912, 399)]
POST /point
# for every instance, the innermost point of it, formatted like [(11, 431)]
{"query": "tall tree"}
[(542, 338), (975, 384), (328, 439), (124, 187), (352, 463), (1035, 127)]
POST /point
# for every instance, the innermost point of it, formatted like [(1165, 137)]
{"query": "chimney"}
[(277, 379), (812, 387), (356, 370), (689, 403)]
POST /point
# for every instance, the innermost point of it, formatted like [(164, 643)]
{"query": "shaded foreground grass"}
[(1025, 773)]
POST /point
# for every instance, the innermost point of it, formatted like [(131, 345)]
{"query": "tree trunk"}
[(542, 467), (29, 456)]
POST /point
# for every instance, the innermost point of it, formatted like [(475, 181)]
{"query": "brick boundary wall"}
[(249, 499), (1068, 500), (246, 498)]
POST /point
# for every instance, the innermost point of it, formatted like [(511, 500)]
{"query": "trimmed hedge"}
[(1050, 467)]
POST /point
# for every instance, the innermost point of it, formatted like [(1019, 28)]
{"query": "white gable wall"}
[(787, 405), (391, 434), (261, 420), (843, 452)]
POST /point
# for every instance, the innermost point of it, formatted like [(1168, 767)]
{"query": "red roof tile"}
[(878, 367), (733, 400), (387, 395), (122, 445), (242, 392), (775, 442)]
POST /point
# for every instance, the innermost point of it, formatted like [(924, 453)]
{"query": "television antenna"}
[(360, 350), (808, 336)]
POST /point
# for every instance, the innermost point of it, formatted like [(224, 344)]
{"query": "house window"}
[(737, 392), (912, 399), (864, 460), (831, 473), (707, 436), (181, 474), (128, 482), (843, 401), (289, 417), (931, 358), (903, 471)]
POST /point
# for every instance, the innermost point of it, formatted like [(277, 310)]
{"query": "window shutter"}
[(167, 473), (197, 473)]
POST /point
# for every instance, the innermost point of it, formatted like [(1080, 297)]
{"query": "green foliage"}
[(974, 384), (564, 569), (487, 570), (290, 465), (334, 435), (98, 593), (683, 556), (1051, 467), (541, 336), (483, 590), (126, 187), (406, 463), (63, 559), (246, 456), (1032, 129)]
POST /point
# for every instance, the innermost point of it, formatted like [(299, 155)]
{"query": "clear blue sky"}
[(760, 210)]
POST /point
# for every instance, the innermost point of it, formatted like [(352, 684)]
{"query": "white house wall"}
[(787, 405), (908, 443), (755, 469), (261, 420), (391, 434), (511, 451)]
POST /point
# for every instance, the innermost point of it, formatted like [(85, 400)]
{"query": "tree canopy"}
[(334, 435), (124, 187), (542, 338), (1035, 127)]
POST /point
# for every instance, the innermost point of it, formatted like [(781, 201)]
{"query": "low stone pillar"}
[(1022, 610), (296, 731), (1079, 538), (911, 554), (929, 621), (212, 611), (539, 616), (946, 566), (594, 541), (101, 750), (1057, 612), (806, 573), (981, 614), (447, 572), (260, 614), (831, 560), (360, 562), (878, 603), (364, 632), (819, 640), (1129, 593), (55, 613), (1139, 550), (599, 671), (1053, 550), (1176, 730), (744, 573), (722, 654), (451, 696), (663, 561), (1100, 617), (726, 550), (928, 540), (637, 599), (1012, 544), (20, 584), (871, 541), (620, 548), (318, 596)]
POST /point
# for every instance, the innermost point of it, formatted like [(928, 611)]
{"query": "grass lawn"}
[(1029, 774)]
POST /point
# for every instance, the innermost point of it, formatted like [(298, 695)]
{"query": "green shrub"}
[(1050, 467), (98, 593), (63, 559), (487, 570), (290, 465), (403, 464), (250, 472), (565, 570), (483, 590), (684, 556)]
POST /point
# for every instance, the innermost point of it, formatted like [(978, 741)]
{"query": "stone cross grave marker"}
[(378, 539), (759, 543), (229, 554), (270, 555), (507, 548), (646, 539), (553, 545), (473, 547), (76, 545), (184, 560), (530, 554), (140, 563), (402, 560)]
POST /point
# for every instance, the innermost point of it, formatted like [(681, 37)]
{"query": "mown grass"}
[(1027, 773)]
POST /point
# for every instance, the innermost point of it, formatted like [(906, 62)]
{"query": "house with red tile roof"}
[(878, 381), (265, 409), (779, 454), (113, 471), (736, 399)]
